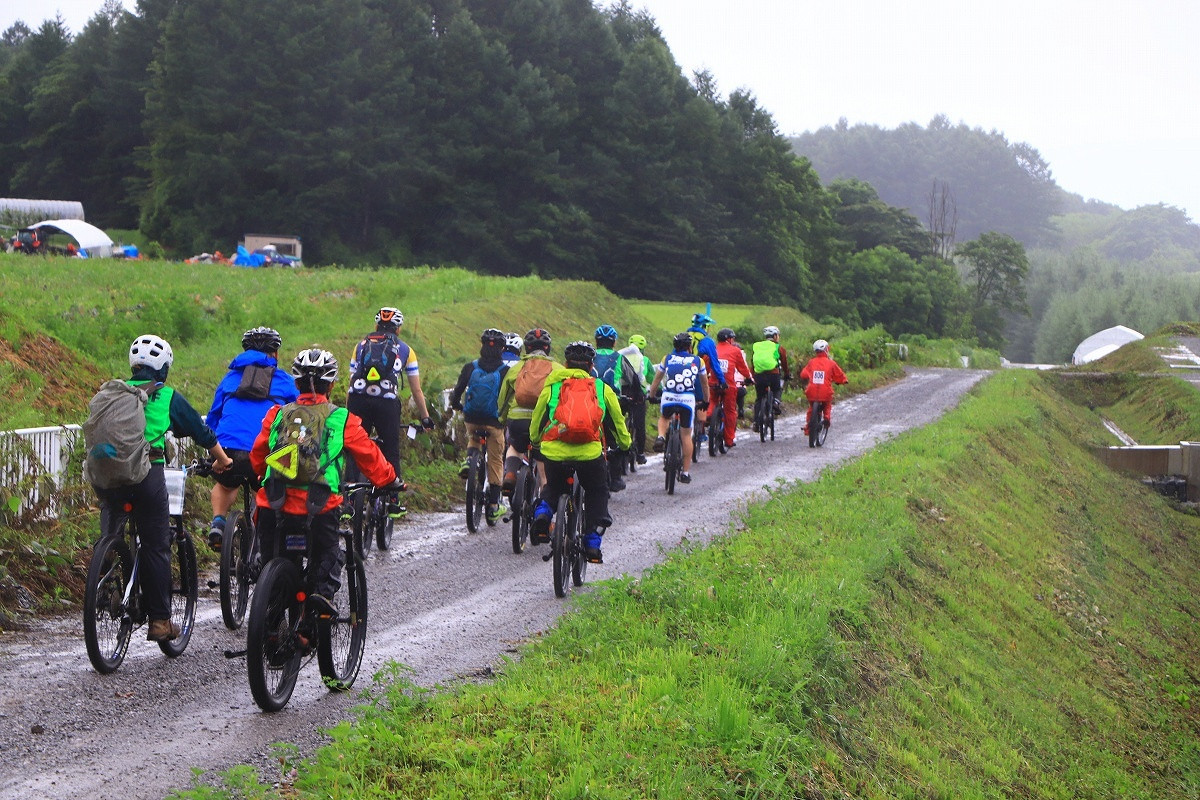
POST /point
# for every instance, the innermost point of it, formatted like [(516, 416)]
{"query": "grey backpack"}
[(115, 436)]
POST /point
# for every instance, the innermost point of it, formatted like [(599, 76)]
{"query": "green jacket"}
[(507, 400), (614, 423)]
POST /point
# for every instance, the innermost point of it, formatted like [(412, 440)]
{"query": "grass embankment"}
[(976, 609)]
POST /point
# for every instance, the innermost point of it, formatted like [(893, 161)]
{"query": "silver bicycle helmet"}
[(315, 363)]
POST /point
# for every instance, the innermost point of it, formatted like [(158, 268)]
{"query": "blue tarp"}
[(244, 258)]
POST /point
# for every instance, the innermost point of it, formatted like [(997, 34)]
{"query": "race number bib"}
[(818, 377)]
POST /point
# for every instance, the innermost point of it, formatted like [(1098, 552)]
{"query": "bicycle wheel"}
[(272, 654), (474, 490), (822, 428), (184, 589), (106, 624), (814, 423), (773, 415), (384, 524), (673, 461), (715, 434), (520, 510), (697, 445), (760, 416), (578, 559), (342, 639), (559, 542), (235, 574)]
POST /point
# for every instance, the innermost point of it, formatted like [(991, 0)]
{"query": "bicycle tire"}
[(474, 491), (673, 460), (520, 510), (714, 434), (272, 655), (184, 590), (343, 639), (384, 524), (578, 559), (559, 540), (761, 417), (106, 624), (823, 429), (235, 575), (815, 413)]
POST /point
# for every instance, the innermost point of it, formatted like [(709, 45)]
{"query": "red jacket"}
[(733, 363), (355, 441), (821, 372)]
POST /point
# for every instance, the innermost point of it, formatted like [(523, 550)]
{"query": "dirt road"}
[(444, 602)]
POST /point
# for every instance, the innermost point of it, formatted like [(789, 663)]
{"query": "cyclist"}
[(302, 477), (704, 347), (249, 389), (768, 361), (818, 377), (733, 364), (379, 361), (614, 369), (480, 381), (150, 359), (575, 413), (684, 381), (644, 367), (519, 394), (512, 348)]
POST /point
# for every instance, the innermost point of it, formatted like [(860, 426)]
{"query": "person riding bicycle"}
[(300, 455), (615, 370), (575, 413), (817, 379), (704, 347), (374, 395), (684, 381), (480, 380), (769, 363), (733, 364), (512, 348), (150, 360), (635, 353), (519, 394), (253, 384)]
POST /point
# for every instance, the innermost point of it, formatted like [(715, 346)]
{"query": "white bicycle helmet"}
[(151, 351), (770, 331), (820, 346), (389, 315), (315, 363), (514, 341)]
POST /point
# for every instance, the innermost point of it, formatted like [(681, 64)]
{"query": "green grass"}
[(977, 609)]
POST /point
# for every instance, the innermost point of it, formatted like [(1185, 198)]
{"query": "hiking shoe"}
[(730, 444), (321, 605), (755, 427), (641, 458), (660, 444), (495, 511), (591, 548), (162, 630), (540, 532), (685, 477), (216, 534), (616, 484), (464, 469), (508, 484), (396, 511)]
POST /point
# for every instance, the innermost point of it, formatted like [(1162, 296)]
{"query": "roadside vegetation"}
[(976, 609)]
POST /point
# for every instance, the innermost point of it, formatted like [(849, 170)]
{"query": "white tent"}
[(90, 238), (1098, 345)]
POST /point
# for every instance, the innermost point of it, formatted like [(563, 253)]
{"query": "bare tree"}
[(942, 220)]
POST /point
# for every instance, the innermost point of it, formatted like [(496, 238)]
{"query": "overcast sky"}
[(1104, 89)]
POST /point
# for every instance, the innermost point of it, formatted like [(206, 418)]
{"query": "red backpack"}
[(575, 411)]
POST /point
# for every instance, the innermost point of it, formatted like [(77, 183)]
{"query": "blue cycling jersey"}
[(707, 348), (682, 378)]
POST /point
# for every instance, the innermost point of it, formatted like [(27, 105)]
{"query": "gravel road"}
[(446, 603)]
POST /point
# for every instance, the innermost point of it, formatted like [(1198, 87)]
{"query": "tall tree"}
[(995, 267)]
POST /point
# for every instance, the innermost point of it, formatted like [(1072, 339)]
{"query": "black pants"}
[(593, 477), (153, 521), (637, 418), (762, 381), (381, 417), (326, 558)]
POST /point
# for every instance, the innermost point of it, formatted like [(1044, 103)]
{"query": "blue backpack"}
[(607, 366), (483, 393)]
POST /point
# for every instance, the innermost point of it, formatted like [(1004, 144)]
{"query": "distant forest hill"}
[(1091, 264)]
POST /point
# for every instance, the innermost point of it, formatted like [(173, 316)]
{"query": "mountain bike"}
[(113, 606), (818, 426), (673, 453), (241, 556), (566, 539), (526, 491), (766, 413), (283, 634), (716, 426), (477, 481), (374, 524), (629, 457)]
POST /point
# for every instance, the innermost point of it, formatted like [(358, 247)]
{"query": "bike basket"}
[(176, 482)]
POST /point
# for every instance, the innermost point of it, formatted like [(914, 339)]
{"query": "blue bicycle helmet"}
[(606, 332), (701, 320)]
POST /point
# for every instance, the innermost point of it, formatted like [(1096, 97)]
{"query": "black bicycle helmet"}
[(580, 352), (682, 341), (725, 334), (537, 339), (492, 336), (263, 339)]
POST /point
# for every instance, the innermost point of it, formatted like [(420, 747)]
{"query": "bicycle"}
[(566, 540), (113, 606), (241, 556), (372, 522), (477, 481), (629, 457), (766, 413), (282, 634), (673, 453), (716, 426), (818, 426), (526, 490)]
